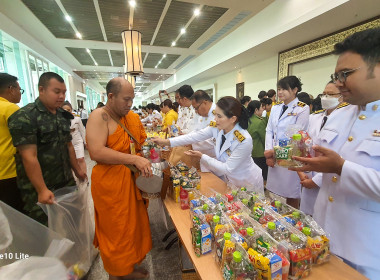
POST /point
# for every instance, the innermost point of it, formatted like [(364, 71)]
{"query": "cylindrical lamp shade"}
[(131, 80), (132, 52)]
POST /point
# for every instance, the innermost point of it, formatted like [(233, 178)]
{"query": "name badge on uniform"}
[(292, 114), (376, 133), (228, 152)]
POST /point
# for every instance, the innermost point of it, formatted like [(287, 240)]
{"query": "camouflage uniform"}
[(34, 124)]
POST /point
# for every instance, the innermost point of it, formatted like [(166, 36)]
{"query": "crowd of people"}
[(42, 150)]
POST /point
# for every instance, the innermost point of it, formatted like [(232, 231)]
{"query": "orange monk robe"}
[(122, 230)]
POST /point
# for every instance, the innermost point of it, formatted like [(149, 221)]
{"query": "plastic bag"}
[(30, 238), (5, 232), (70, 217), (41, 268)]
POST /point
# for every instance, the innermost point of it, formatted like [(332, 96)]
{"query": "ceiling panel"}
[(154, 58), (48, 12), (179, 13), (101, 57), (84, 17), (98, 75), (118, 58), (146, 16), (209, 15), (115, 15), (81, 55)]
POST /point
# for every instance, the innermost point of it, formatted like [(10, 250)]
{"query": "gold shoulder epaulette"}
[(213, 112), (278, 103), (301, 104), (343, 104), (319, 111), (239, 136), (213, 124)]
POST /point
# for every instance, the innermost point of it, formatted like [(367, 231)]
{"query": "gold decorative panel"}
[(318, 48)]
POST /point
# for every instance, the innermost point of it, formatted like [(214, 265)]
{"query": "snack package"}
[(268, 267), (297, 143)]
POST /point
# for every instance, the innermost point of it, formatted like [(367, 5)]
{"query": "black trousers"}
[(261, 162), (10, 194)]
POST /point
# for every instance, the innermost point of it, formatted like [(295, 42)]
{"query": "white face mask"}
[(329, 102)]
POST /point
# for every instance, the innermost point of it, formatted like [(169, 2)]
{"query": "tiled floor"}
[(162, 264)]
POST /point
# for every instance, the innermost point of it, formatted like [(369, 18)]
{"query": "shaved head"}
[(120, 95), (115, 86)]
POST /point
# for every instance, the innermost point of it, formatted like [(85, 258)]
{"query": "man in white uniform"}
[(205, 110), (153, 115), (186, 114), (348, 204)]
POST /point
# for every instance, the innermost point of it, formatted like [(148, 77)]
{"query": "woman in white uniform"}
[(232, 143), (291, 111), (78, 133), (331, 101)]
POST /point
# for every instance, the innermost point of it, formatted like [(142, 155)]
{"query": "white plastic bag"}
[(70, 217), (5, 232), (33, 268), (31, 238)]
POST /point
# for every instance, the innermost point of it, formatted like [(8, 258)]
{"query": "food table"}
[(206, 266)]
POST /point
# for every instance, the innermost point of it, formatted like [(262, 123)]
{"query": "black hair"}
[(317, 104), (266, 101), (114, 86), (271, 93), (151, 106), (245, 99), (185, 91), (201, 95), (161, 105), (304, 97), (232, 107), (252, 106), (47, 76), (366, 43), (175, 106), (262, 94), (100, 104), (6, 81), (290, 82), (167, 102), (67, 103)]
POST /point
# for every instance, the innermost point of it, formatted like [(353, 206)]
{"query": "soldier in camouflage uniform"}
[(45, 155)]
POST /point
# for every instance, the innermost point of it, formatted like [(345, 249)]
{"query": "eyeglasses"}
[(197, 108), (341, 76), (21, 90)]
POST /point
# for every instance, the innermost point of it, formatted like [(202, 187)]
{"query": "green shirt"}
[(34, 124), (257, 128)]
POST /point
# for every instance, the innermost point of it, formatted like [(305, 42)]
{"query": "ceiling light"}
[(68, 18), (96, 63), (78, 35), (173, 44), (132, 3), (155, 67), (87, 50), (183, 30), (196, 12), (164, 55)]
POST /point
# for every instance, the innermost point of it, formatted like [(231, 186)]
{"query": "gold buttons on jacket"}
[(331, 199), (350, 138), (362, 117), (334, 179), (374, 107)]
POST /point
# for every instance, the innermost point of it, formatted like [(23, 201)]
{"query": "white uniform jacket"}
[(151, 117), (186, 119), (280, 180), (78, 132), (207, 146), (348, 206), (233, 161)]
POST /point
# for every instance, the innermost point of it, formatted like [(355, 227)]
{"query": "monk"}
[(122, 231)]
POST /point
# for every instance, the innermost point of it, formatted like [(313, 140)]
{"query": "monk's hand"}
[(45, 196), (144, 166), (269, 156), (196, 154), (326, 161), (160, 141)]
